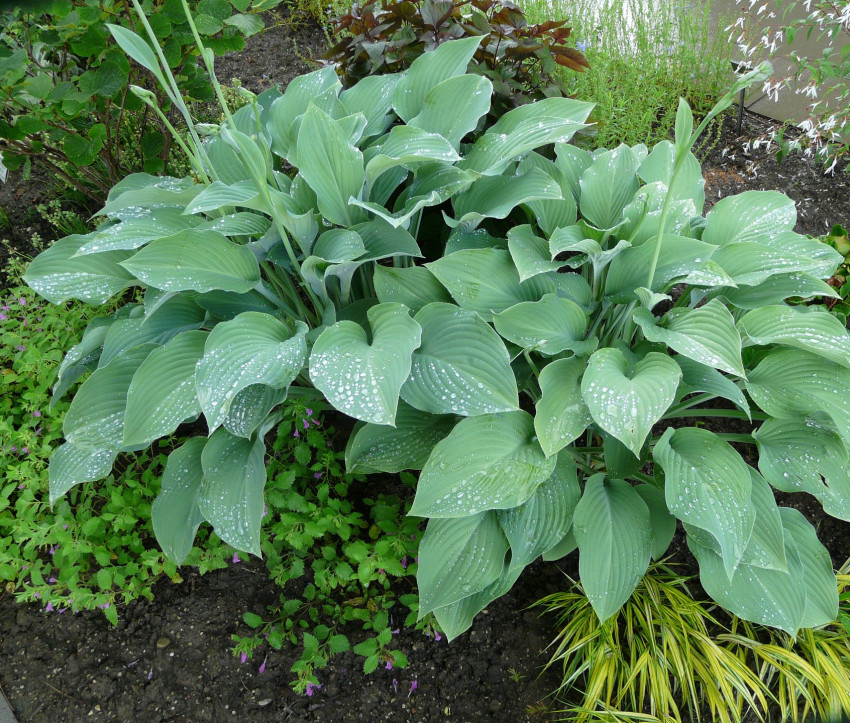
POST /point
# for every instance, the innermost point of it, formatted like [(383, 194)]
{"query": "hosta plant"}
[(515, 318)]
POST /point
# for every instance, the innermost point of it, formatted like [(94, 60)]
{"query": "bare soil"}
[(77, 667)]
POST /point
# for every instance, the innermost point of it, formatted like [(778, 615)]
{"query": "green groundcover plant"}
[(513, 316)]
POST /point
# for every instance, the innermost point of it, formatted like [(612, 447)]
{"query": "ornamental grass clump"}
[(497, 314)]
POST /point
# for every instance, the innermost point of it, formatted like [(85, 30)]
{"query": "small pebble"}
[(265, 701), (163, 642)]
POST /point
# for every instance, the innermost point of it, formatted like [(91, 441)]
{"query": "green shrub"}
[(261, 286), (64, 85), (518, 58)]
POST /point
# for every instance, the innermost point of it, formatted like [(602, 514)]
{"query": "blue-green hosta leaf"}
[(706, 334), (360, 378), (139, 194), (750, 264), (224, 161), (661, 523), (487, 462), (332, 167), (816, 331), (408, 146), (697, 377), (383, 241), (806, 455), (462, 366), (572, 161), (709, 486), (550, 214), (131, 234), (825, 258), (562, 415), (175, 513), (195, 260), (58, 274), (219, 195), (549, 326), (530, 252), (678, 257), (250, 407), (338, 245), (642, 215), (768, 597), (789, 383), (608, 185), (486, 281), (162, 393), (242, 223), (429, 69), (373, 97), (413, 286), (227, 304), (571, 239), (70, 466), (381, 448), (543, 519), (749, 217), (166, 320), (83, 357), (253, 348), (658, 167), (818, 577), (442, 112), (457, 558), (497, 196), (574, 287), (611, 526), (231, 496), (627, 403), (776, 289), (523, 129), (95, 419), (300, 93)]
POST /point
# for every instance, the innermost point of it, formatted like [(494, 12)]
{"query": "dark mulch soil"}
[(170, 659)]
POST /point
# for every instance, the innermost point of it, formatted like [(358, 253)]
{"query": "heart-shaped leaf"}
[(749, 217), (549, 326), (441, 113), (627, 403), (487, 462), (360, 378)]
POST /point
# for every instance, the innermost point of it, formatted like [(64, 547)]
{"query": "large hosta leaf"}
[(95, 419), (750, 264), (138, 231), (457, 558), (626, 403), (381, 448), (815, 331), (462, 366), (58, 274), (413, 286), (195, 260), (486, 281), (360, 378), (611, 526), (497, 196), (530, 252), (658, 166), (549, 326), (175, 513), (372, 96), (778, 288), (789, 383), (408, 146), (561, 414), (806, 455), (162, 393), (749, 217), (487, 462), (706, 334), (708, 485), (441, 113), (662, 523), (608, 185), (83, 357), (697, 377), (253, 348), (231, 496), (332, 167), (543, 519), (71, 466)]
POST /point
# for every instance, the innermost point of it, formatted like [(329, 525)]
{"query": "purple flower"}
[(306, 423), (395, 685), (3, 317), (265, 510), (5, 308), (25, 450), (413, 686), (64, 527), (404, 562), (389, 665), (13, 448), (312, 688), (22, 301), (244, 657), (437, 636), (296, 433), (21, 347), (36, 594), (150, 674), (48, 608), (317, 475), (263, 667), (52, 550), (236, 558), (51, 580), (309, 412), (36, 413)]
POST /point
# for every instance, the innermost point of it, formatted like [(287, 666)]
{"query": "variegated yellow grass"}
[(668, 657)]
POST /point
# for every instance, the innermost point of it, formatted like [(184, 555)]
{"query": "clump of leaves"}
[(837, 239), (334, 557), (665, 657), (519, 58)]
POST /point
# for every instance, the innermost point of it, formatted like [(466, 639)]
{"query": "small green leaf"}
[(562, 415)]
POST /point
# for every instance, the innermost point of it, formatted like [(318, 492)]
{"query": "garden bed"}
[(171, 659)]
